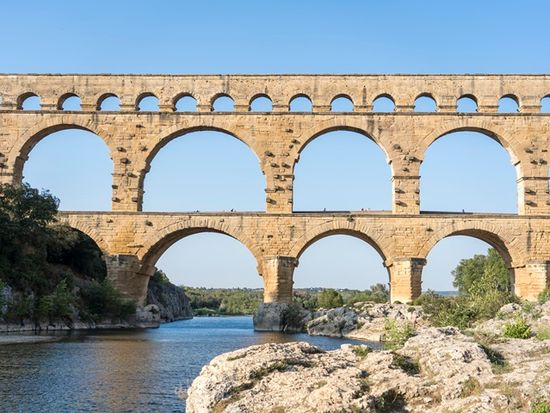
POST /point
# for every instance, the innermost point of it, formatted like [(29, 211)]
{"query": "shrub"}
[(361, 351), (330, 298), (102, 301), (541, 406), (518, 328), (396, 335)]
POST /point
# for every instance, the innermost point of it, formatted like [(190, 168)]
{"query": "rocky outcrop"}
[(288, 318), (363, 321), (171, 301), (438, 370), (536, 315)]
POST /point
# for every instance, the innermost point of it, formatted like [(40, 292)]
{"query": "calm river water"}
[(121, 371)]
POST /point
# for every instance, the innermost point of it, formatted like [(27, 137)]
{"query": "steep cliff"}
[(172, 302)]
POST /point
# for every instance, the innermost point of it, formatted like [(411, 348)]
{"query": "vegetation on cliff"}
[(48, 271)]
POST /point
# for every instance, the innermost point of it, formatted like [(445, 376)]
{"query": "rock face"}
[(287, 318), (170, 299), (438, 370), (364, 321), (536, 315)]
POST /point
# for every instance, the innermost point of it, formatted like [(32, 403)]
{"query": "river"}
[(121, 371)]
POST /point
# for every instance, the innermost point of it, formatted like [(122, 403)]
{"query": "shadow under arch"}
[(76, 224), (164, 239), (178, 132), (28, 140)]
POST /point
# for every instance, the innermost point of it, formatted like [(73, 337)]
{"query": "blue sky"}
[(279, 37)]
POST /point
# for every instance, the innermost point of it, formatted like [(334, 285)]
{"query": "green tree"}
[(330, 298), (481, 274)]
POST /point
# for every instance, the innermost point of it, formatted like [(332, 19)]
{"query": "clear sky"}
[(279, 37)]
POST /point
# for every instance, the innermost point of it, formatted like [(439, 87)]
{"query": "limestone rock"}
[(288, 318), (170, 300), (438, 370), (364, 321)]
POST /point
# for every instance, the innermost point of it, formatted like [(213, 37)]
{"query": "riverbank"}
[(498, 365)]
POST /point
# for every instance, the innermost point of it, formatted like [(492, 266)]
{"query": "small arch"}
[(28, 101), (223, 103), (109, 102), (508, 104), (425, 103), (300, 103), (341, 103), (69, 102), (185, 103), (147, 102), (545, 104), (466, 104), (261, 103), (383, 103)]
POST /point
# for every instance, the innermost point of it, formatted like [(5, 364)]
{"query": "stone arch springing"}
[(28, 99), (508, 144), (341, 103), (300, 103), (145, 164), (260, 103), (383, 103), (86, 229), (466, 104), (346, 136)]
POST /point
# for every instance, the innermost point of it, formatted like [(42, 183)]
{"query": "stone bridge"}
[(132, 240)]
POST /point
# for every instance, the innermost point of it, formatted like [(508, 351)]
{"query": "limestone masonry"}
[(132, 240)]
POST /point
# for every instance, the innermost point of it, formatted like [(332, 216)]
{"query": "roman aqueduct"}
[(132, 240)]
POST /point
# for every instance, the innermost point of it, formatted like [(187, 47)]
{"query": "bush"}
[(102, 301), (541, 406), (396, 335), (517, 329), (57, 305), (330, 298)]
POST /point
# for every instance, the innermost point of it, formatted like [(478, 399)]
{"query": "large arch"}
[(508, 249), (482, 133), (146, 164), (351, 139), (84, 227), (19, 152), (163, 239)]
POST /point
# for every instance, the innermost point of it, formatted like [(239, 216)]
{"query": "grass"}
[(541, 406), (519, 328), (396, 335), (361, 351), (389, 401), (471, 387), (405, 363), (543, 333)]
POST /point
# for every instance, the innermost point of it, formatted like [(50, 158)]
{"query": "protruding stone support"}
[(277, 272), (123, 271), (127, 194), (406, 194), (533, 198), (406, 279), (532, 279)]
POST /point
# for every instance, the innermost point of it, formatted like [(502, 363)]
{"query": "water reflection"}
[(122, 371)]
